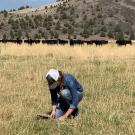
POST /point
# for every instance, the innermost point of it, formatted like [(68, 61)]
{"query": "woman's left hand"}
[(62, 118)]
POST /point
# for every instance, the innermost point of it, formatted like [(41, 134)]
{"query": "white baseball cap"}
[(54, 74)]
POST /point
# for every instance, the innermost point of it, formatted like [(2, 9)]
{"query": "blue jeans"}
[(66, 96)]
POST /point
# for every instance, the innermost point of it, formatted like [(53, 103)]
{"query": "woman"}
[(66, 93)]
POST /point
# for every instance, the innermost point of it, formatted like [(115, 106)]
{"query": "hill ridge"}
[(87, 19), (40, 8)]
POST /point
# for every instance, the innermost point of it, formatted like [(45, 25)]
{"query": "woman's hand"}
[(69, 111), (52, 116), (62, 118)]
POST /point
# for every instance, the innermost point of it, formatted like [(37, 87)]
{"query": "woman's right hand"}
[(52, 116)]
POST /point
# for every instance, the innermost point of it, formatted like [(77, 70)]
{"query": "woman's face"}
[(52, 83), (53, 86)]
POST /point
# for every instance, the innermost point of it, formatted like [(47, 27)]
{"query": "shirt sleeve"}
[(75, 98), (54, 97)]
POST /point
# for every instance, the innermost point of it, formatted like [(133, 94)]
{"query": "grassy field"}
[(107, 74)]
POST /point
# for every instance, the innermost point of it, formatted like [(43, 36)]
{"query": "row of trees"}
[(40, 34)]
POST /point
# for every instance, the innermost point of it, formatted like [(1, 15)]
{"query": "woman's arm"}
[(52, 116), (69, 111), (53, 107), (54, 97), (54, 103)]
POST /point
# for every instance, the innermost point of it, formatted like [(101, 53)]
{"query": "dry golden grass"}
[(108, 51), (107, 74)]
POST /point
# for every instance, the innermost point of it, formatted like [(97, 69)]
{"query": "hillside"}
[(83, 19)]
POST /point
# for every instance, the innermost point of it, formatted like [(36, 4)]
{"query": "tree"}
[(10, 21), (27, 36), (37, 36), (4, 37), (64, 16), (110, 34), (71, 31), (46, 7), (1, 24), (117, 28), (119, 36), (75, 36), (57, 26), (56, 35), (69, 36), (21, 8), (102, 34), (19, 34), (85, 17), (5, 13), (51, 34), (11, 34), (104, 29), (64, 30), (27, 6), (92, 22), (46, 36), (132, 36), (56, 16), (85, 33)]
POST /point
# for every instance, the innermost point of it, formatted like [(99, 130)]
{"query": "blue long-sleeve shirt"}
[(71, 83)]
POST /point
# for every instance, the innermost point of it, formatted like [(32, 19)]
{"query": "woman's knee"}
[(80, 94), (65, 93)]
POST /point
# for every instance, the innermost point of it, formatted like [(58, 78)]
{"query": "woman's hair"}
[(61, 76), (61, 79)]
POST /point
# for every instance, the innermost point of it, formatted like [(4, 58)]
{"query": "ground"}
[(107, 74)]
